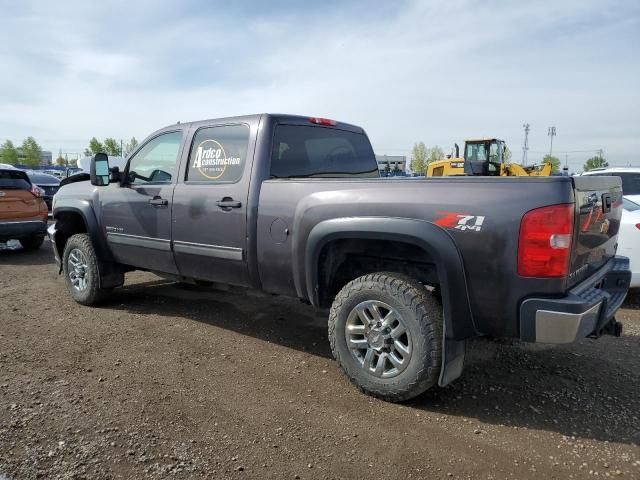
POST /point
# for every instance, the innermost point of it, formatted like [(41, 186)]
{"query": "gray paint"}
[(266, 243)]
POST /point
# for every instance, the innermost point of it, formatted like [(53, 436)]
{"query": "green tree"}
[(111, 146), (595, 162), (94, 147), (130, 146), (554, 161), (31, 152), (433, 155), (61, 161), (8, 153), (419, 158)]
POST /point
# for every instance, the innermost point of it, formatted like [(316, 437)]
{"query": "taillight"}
[(544, 246), (638, 226), (323, 121), (37, 191)]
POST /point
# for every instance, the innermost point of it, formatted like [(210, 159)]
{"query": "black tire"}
[(92, 294), (32, 243), (422, 317)]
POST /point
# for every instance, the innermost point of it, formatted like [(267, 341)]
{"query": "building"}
[(392, 164)]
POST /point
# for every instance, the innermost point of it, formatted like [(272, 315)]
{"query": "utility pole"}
[(121, 148), (525, 147), (552, 133)]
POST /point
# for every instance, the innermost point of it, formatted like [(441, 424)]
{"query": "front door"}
[(136, 215), (210, 206)]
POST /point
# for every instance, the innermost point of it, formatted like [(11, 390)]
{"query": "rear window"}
[(630, 183), (301, 151), (38, 178), (629, 205), (14, 180)]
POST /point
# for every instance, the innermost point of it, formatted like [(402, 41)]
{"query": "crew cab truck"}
[(409, 269)]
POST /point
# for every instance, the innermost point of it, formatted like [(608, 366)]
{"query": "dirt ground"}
[(172, 381)]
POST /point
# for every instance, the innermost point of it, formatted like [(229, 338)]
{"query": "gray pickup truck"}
[(409, 268)]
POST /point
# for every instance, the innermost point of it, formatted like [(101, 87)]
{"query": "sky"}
[(406, 71)]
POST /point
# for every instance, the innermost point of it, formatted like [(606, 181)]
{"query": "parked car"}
[(48, 183), (295, 206), (630, 179), (23, 212), (629, 239)]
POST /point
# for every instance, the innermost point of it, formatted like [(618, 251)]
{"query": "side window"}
[(156, 161), (218, 154)]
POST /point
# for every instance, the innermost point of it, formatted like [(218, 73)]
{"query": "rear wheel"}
[(82, 270), (32, 243), (385, 331)]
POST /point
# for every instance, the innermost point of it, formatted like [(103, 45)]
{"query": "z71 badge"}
[(460, 221)]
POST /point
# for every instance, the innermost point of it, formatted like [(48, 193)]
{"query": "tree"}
[(31, 152), (94, 147), (130, 146), (433, 155), (418, 158), (111, 146), (595, 162), (554, 161), (61, 161), (8, 153)]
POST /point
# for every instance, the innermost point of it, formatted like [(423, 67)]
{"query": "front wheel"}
[(385, 331), (82, 270)]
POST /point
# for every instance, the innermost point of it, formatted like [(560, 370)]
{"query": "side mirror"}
[(99, 172)]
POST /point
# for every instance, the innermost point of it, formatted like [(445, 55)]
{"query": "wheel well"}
[(341, 261), (69, 224)]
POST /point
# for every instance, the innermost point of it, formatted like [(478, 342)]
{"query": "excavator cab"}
[(484, 157)]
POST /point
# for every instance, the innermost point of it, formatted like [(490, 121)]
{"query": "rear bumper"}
[(587, 310), (17, 229)]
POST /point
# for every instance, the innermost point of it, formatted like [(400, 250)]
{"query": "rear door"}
[(136, 215), (599, 208), (210, 204), (16, 200)]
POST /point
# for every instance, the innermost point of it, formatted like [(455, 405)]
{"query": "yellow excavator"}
[(484, 157)]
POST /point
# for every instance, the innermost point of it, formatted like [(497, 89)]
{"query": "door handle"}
[(228, 202), (159, 202)]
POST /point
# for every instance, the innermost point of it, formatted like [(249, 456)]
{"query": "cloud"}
[(406, 71)]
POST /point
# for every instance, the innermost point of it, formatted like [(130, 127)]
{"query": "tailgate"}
[(16, 200), (599, 209)]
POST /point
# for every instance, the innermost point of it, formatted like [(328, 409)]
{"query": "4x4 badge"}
[(460, 221)]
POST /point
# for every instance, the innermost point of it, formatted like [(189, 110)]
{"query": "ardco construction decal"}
[(212, 161)]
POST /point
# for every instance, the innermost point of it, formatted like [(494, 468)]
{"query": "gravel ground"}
[(173, 381)]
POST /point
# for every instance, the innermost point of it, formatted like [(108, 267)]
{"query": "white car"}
[(630, 180), (629, 238)]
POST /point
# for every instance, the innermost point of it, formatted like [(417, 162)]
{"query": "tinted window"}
[(39, 178), (14, 180), (218, 154), (300, 151), (630, 183), (156, 161)]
